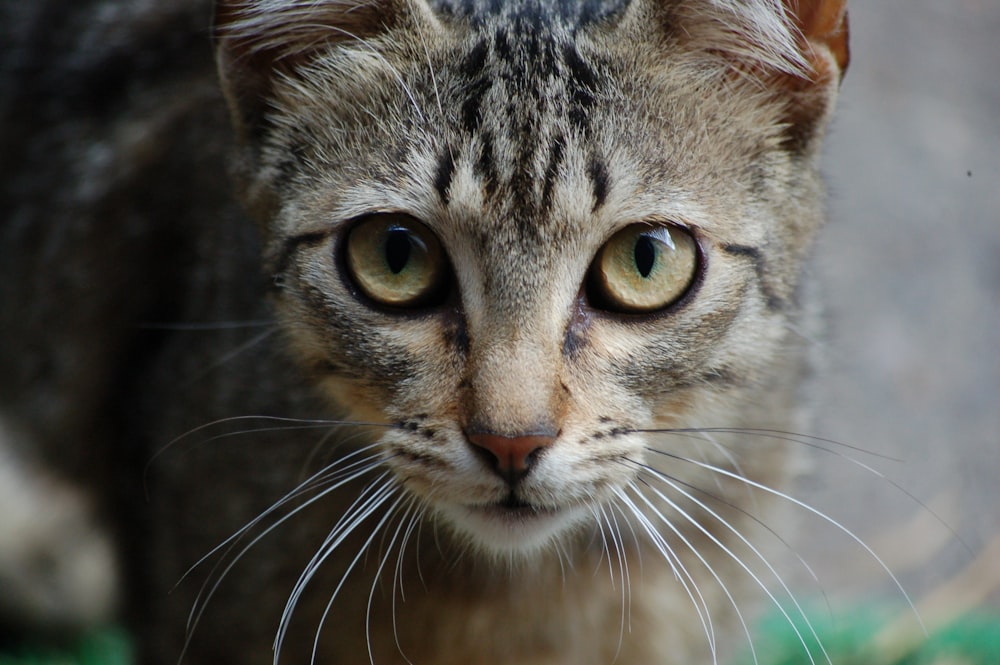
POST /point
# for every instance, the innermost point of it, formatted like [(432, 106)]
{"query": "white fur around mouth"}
[(512, 528)]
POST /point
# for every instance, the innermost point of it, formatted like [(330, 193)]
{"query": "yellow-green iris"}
[(643, 268)]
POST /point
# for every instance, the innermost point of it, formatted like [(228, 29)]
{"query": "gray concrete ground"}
[(911, 267)]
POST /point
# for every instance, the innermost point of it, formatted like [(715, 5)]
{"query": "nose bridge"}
[(514, 381)]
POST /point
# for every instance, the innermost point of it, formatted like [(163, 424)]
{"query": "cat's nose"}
[(511, 457)]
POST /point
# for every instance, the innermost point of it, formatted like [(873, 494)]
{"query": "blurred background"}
[(910, 267)]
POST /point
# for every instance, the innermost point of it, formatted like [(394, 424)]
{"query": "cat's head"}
[(525, 235)]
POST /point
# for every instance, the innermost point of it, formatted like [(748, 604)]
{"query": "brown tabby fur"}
[(152, 361)]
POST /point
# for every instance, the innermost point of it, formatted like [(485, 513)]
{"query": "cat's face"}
[(523, 246)]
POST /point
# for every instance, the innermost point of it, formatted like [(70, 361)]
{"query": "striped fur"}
[(187, 316)]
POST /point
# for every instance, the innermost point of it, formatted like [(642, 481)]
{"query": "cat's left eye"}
[(643, 268), (396, 261)]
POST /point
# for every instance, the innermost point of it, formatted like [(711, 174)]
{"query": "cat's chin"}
[(512, 530)]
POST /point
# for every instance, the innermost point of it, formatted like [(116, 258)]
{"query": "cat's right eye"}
[(643, 268), (396, 261)]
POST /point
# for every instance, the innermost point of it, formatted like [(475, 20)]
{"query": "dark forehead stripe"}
[(472, 68), (556, 151), (525, 88), (570, 13), (583, 83), (485, 166), (443, 174), (600, 179)]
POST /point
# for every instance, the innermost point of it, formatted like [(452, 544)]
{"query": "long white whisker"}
[(367, 501), (626, 582), (729, 504), (694, 550), (387, 493), (293, 424), (330, 477), (681, 573), (739, 561), (817, 513), (605, 548), (360, 468), (396, 534), (415, 516), (809, 440), (323, 444)]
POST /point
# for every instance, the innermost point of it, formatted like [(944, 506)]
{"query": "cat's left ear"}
[(822, 25), (822, 35), (796, 49)]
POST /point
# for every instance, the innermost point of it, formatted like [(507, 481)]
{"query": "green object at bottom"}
[(105, 647), (850, 639)]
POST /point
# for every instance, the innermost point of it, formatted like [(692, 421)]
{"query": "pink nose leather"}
[(511, 457)]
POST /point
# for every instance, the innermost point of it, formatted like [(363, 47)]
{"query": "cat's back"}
[(112, 187)]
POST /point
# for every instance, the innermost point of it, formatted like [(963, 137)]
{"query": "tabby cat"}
[(406, 331)]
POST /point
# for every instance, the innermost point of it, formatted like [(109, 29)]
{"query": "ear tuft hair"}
[(286, 30), (791, 37), (260, 40)]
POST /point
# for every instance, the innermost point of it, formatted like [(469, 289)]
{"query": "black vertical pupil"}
[(645, 255), (397, 249)]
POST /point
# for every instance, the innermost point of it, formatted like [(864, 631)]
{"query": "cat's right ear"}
[(260, 41)]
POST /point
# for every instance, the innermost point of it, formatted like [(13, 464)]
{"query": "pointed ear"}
[(823, 40), (823, 26), (796, 49), (258, 41)]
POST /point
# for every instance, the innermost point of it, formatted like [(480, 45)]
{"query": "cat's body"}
[(146, 353)]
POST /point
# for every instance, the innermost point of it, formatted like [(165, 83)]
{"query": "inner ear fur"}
[(823, 26)]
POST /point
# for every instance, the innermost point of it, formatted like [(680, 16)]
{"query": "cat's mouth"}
[(514, 508), (513, 525)]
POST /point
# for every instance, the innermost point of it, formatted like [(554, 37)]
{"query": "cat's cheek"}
[(360, 404)]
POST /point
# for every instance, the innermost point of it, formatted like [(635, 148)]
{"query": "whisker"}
[(368, 500), (666, 479), (812, 441), (623, 571), (372, 51), (565, 561), (722, 585), (323, 444), (601, 519), (681, 574), (231, 355), (733, 506), (599, 533), (334, 481), (378, 574), (291, 424), (430, 70), (821, 443), (338, 477), (818, 513), (364, 505), (415, 515), (206, 325), (387, 492)]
